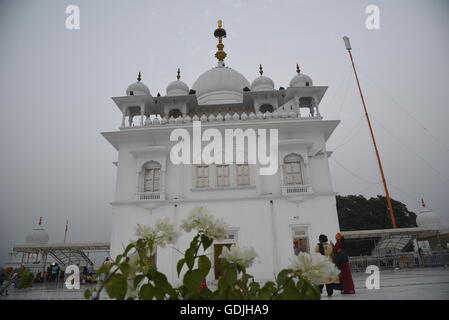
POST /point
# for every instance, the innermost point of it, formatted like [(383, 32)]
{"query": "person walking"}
[(326, 249), (342, 261)]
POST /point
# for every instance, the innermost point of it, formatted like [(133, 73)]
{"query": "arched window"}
[(292, 169), (175, 113), (151, 176), (266, 107)]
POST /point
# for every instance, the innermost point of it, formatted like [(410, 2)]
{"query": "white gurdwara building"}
[(279, 215)]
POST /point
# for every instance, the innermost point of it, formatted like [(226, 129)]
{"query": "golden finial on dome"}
[(260, 69), (178, 75), (423, 204), (139, 77), (40, 221), (220, 33), (298, 70)]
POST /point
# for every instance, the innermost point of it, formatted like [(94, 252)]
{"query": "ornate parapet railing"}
[(148, 196), (296, 189), (220, 117)]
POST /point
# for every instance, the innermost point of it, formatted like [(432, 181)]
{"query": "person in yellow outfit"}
[(327, 250)]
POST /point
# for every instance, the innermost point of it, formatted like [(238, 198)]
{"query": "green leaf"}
[(87, 294), (105, 267), (207, 242), (125, 268), (117, 286), (129, 247), (118, 258), (192, 280), (159, 293), (282, 276), (308, 290), (230, 275), (138, 279), (160, 280), (204, 265), (190, 258), (180, 265), (291, 293), (267, 290), (147, 292)]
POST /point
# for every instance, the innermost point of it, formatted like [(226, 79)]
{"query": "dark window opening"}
[(175, 113), (266, 108)]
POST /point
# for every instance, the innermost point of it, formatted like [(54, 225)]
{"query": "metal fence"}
[(400, 260)]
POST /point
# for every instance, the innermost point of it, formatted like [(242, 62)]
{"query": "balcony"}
[(149, 196), (296, 189)]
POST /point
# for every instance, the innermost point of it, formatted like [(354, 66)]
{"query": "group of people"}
[(338, 255), (52, 274)]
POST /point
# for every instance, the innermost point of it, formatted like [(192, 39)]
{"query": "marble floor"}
[(405, 284)]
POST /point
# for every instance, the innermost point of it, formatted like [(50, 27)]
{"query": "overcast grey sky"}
[(56, 84)]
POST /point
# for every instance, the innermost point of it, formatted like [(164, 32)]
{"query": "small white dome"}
[(220, 85), (138, 88), (177, 88), (301, 80), (262, 83), (37, 235), (428, 219)]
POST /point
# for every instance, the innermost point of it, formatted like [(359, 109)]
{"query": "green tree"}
[(355, 212)]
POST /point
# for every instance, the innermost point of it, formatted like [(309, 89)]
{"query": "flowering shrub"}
[(242, 257), (134, 275), (314, 267)]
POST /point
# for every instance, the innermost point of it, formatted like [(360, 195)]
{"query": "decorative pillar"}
[(275, 239), (307, 173), (123, 119), (162, 187), (142, 111), (314, 104)]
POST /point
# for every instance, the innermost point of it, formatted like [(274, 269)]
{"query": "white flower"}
[(314, 267), (163, 233), (200, 219), (241, 256)]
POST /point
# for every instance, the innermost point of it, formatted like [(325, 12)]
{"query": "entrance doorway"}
[(300, 240)]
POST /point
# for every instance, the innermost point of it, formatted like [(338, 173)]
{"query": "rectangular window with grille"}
[(242, 174), (223, 175), (293, 173), (152, 180), (202, 176)]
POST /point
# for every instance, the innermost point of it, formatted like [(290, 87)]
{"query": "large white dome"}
[(220, 85), (38, 235), (428, 219)]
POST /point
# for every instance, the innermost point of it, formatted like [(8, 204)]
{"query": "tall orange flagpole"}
[(387, 194)]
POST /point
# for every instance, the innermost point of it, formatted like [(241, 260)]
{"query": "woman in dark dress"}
[(342, 262)]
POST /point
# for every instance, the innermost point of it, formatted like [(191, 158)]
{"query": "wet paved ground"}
[(407, 284)]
